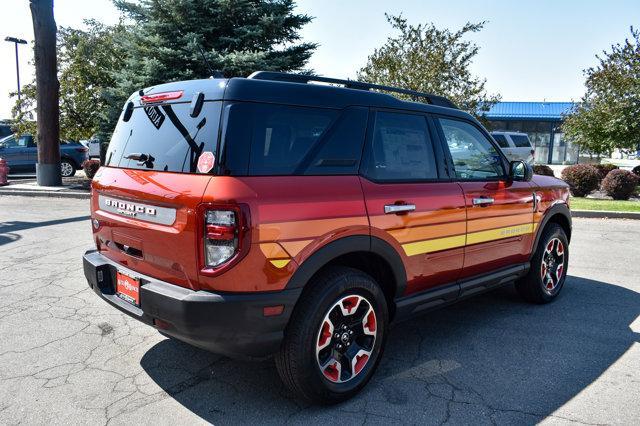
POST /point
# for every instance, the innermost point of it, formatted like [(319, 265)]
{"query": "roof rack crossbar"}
[(350, 84)]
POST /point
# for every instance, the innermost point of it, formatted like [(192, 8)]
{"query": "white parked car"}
[(516, 146), (94, 147)]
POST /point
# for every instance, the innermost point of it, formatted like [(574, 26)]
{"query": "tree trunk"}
[(48, 92)]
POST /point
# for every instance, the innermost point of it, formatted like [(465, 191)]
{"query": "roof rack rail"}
[(351, 84)]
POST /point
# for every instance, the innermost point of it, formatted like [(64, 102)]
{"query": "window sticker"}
[(206, 162), (155, 115)]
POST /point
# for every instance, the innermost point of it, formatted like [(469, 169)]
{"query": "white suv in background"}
[(516, 146)]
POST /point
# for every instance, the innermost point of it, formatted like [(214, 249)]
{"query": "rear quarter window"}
[(273, 140)]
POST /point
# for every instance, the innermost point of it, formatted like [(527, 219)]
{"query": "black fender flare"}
[(556, 209), (346, 245)]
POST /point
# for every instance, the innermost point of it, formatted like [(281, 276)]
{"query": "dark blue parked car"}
[(21, 154)]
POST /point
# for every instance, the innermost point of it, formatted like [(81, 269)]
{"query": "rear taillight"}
[(83, 149), (221, 237), (225, 236)]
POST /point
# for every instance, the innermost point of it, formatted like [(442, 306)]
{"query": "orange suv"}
[(299, 216)]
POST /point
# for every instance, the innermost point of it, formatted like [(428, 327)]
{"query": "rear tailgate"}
[(147, 221)]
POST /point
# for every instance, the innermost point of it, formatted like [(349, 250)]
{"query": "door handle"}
[(482, 201), (399, 208)]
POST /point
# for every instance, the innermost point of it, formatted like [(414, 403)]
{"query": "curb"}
[(50, 194), (598, 214)]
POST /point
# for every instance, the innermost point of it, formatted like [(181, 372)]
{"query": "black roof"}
[(295, 89)]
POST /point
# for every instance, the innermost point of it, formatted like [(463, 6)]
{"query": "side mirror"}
[(520, 171)]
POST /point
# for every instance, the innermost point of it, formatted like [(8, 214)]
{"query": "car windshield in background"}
[(164, 137), (521, 141)]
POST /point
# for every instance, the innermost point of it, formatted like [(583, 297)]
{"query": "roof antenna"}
[(214, 74)]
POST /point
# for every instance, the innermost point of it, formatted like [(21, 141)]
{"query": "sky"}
[(530, 50)]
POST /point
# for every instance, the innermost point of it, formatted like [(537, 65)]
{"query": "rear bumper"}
[(229, 324)]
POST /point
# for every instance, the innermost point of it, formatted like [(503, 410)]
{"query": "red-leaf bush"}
[(582, 179), (604, 169), (90, 168), (543, 169), (620, 184)]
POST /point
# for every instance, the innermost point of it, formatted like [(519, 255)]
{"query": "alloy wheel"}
[(346, 338), (66, 169), (552, 266)]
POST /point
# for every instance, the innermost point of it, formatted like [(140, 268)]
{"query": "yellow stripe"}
[(280, 263), (438, 244), (420, 247), (497, 234)]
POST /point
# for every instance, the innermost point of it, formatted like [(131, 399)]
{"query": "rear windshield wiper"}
[(141, 158)]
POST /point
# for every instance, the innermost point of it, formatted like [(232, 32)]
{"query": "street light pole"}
[(16, 42)]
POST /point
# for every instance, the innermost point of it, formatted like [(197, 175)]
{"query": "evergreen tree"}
[(168, 39)]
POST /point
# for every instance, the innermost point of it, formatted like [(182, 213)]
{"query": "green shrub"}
[(620, 184), (604, 169), (582, 179), (90, 168), (543, 169)]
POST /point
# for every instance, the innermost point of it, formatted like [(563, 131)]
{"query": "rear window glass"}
[(502, 141), (521, 141), (167, 136), (266, 139)]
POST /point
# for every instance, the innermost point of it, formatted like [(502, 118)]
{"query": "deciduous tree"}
[(429, 59), (608, 115)]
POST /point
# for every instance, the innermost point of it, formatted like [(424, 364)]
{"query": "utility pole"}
[(47, 93), (16, 42)]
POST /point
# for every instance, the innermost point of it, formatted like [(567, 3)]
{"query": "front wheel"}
[(67, 168), (548, 270), (335, 337)]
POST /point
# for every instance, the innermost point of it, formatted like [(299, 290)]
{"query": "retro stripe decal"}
[(497, 234), (438, 244)]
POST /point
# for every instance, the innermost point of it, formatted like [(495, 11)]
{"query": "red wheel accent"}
[(371, 321), (560, 249), (550, 245), (325, 334), (361, 361), (350, 303), (559, 272), (332, 372)]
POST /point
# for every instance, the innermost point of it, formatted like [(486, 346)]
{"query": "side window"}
[(502, 141), (268, 140), (521, 141), (25, 141), (401, 149), (474, 157)]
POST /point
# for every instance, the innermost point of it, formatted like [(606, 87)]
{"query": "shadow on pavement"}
[(494, 355), (8, 229)]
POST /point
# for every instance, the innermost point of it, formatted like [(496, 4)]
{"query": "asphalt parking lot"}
[(66, 357)]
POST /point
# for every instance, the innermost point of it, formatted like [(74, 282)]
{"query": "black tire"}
[(67, 168), (298, 361), (536, 286)]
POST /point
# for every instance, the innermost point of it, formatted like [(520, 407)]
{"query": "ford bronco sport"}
[(273, 215)]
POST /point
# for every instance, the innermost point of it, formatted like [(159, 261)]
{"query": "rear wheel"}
[(548, 270), (67, 168), (335, 337)]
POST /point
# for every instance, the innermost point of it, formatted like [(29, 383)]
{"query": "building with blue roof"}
[(541, 121)]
